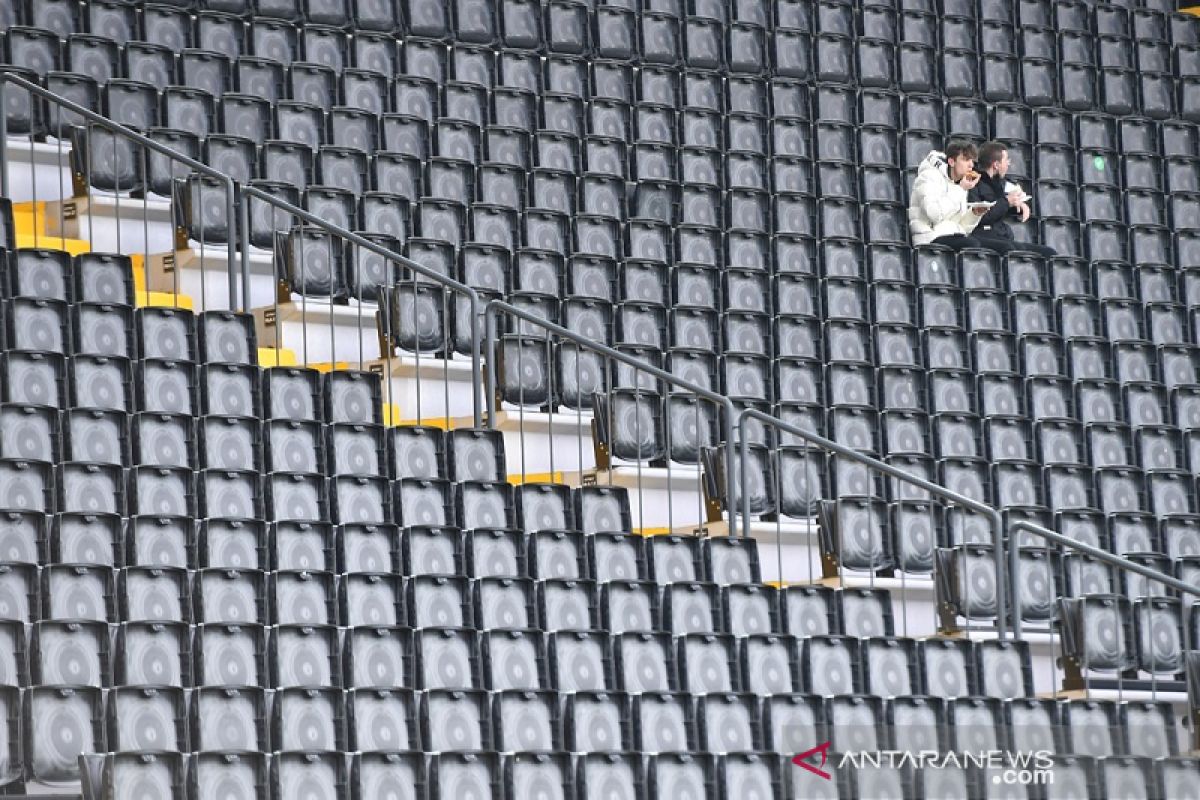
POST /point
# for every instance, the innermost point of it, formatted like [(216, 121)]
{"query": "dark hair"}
[(961, 148), (989, 154)]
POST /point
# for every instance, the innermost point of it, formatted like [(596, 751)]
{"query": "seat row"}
[(246, 652), (168, 594), (473, 21), (687, 108), (518, 722), (448, 775)]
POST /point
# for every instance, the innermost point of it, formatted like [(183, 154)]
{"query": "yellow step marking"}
[(138, 262), (30, 218), (393, 416), (276, 357), (72, 246), (328, 366), (536, 477), (144, 298)]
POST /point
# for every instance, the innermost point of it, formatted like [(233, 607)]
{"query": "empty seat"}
[(644, 662), (59, 710)]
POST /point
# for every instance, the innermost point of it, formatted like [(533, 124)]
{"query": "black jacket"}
[(990, 189)]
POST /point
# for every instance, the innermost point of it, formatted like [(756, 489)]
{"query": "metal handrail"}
[(230, 187), (1112, 559), (497, 305), (360, 241), (231, 195), (1004, 572), (887, 469), (227, 182)]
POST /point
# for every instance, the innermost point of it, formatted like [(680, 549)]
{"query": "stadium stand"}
[(270, 528)]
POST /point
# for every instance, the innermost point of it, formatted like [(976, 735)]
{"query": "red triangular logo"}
[(802, 760)]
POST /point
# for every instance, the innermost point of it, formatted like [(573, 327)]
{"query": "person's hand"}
[(1023, 208), (1015, 198), (979, 210), (968, 182)]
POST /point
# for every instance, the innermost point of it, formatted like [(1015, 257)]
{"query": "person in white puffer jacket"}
[(938, 211)]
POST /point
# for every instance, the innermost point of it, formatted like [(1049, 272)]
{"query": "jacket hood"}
[(934, 162)]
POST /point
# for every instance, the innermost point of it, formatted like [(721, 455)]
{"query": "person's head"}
[(993, 159), (960, 158)]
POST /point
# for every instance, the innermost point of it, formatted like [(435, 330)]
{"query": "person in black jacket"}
[(993, 231)]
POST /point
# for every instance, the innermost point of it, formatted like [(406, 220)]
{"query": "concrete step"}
[(540, 443), (661, 499), (320, 331), (38, 171), (203, 272), (425, 391), (115, 224), (30, 226)]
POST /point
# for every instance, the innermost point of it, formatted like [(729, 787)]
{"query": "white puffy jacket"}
[(937, 206)]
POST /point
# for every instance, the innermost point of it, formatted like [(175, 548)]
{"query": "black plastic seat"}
[(205, 70)]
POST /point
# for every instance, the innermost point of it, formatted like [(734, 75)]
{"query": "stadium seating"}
[(228, 580)]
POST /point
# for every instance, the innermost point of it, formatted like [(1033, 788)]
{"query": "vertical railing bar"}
[(548, 349), (244, 238), (779, 515), (303, 299), (578, 412), (4, 136), (33, 176), (447, 350), (417, 353), (280, 264), (477, 389), (203, 268), (489, 319), (231, 203), (334, 280), (145, 211), (519, 337), (87, 160), (39, 224), (608, 413), (243, 212), (357, 254), (637, 425), (520, 342), (116, 194), (386, 302), (665, 411), (700, 450)]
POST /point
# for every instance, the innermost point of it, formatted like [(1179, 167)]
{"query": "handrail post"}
[(1003, 582), (243, 212), (1107, 557), (932, 488), (489, 326), (744, 454), (477, 389), (730, 461), (4, 134), (1014, 569), (251, 192), (126, 133)]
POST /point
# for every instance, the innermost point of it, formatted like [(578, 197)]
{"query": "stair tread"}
[(144, 298)]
